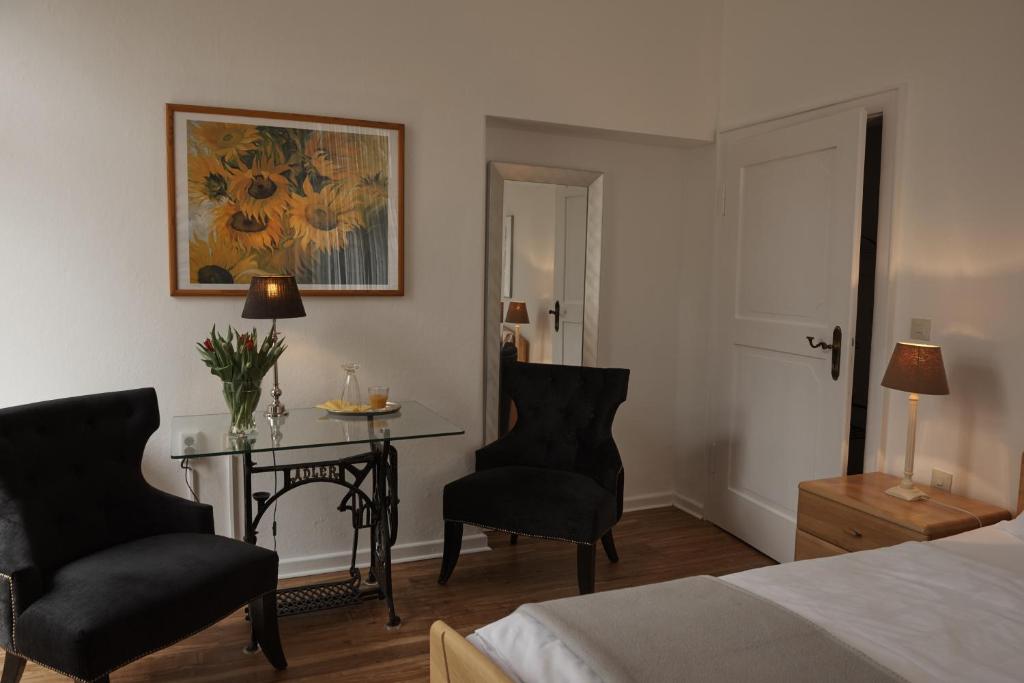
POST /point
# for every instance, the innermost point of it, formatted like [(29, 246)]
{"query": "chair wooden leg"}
[(609, 546), (452, 547), (263, 612), (14, 667), (513, 539), (586, 559)]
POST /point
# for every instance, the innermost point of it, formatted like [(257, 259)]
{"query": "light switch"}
[(921, 329)]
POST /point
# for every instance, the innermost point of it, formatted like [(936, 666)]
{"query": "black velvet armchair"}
[(556, 475), (98, 568)]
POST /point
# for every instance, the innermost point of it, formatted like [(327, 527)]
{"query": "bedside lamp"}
[(518, 316), (271, 297), (917, 369)]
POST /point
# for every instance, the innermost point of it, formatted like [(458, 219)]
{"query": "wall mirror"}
[(543, 270)]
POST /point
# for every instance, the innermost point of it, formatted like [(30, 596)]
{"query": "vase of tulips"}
[(240, 362)]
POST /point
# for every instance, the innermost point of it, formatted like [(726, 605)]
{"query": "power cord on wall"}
[(958, 509), (189, 473), (273, 526)]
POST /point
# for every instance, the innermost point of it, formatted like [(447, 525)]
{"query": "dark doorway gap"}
[(865, 295)]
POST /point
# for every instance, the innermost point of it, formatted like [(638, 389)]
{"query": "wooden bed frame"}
[(453, 659)]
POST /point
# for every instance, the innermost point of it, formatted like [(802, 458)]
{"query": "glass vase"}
[(242, 399)]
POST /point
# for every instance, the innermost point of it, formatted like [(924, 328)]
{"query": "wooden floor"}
[(351, 644)]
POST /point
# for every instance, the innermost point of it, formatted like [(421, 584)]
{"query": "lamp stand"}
[(275, 409), (906, 489)]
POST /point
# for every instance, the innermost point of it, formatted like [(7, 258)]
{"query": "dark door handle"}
[(557, 312), (819, 345), (836, 347)]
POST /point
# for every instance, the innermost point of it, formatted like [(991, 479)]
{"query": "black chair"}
[(556, 475), (98, 568), (506, 357)]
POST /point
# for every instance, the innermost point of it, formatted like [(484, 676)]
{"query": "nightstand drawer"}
[(810, 547), (848, 528)]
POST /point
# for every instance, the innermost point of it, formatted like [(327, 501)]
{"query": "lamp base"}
[(276, 409), (910, 494)]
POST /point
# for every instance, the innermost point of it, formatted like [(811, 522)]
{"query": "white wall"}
[(532, 206), (693, 311), (959, 252), (82, 191), (651, 270)]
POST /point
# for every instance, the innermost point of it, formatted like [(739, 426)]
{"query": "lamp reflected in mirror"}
[(517, 315)]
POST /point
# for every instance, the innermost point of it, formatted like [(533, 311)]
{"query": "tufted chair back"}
[(71, 477), (565, 417)]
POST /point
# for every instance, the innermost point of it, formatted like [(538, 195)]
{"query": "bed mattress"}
[(948, 610)]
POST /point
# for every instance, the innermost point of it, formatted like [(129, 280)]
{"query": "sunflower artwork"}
[(260, 193)]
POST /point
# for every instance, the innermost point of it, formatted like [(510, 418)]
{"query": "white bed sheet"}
[(949, 610)]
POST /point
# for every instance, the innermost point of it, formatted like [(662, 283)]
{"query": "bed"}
[(945, 610)]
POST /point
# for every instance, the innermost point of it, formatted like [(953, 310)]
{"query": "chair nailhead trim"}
[(14, 611)]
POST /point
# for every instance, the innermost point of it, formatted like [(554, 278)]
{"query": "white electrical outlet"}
[(942, 480), (188, 443), (921, 329)]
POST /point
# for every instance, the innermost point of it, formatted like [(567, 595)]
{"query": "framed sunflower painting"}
[(263, 193)]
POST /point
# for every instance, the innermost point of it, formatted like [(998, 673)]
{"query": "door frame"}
[(890, 103), (497, 173)]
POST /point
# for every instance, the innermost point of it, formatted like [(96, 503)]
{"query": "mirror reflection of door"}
[(543, 268), (544, 258)]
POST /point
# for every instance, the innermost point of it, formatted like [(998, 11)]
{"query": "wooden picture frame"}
[(253, 192)]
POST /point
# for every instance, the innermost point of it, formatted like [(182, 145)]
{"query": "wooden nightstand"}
[(846, 514)]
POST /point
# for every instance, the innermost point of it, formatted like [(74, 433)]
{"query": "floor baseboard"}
[(665, 499), (471, 543), (401, 552), (688, 505), (647, 501)]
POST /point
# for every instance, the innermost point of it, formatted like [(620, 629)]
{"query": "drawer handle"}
[(854, 533)]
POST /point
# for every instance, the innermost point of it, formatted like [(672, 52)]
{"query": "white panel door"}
[(787, 253), (570, 275)]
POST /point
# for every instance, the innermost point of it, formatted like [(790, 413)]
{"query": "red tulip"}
[(249, 344), (208, 345)]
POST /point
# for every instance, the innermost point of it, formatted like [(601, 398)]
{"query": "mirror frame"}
[(497, 173)]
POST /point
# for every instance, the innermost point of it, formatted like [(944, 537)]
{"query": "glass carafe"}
[(350, 391)]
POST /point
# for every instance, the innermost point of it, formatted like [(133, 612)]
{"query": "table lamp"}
[(271, 297), (915, 368), (518, 316)]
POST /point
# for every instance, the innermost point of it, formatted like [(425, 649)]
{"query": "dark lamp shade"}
[(916, 368), (273, 296), (517, 313)]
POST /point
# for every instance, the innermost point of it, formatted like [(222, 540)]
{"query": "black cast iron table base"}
[(376, 512)]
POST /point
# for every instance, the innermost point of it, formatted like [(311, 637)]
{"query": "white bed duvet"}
[(948, 610)]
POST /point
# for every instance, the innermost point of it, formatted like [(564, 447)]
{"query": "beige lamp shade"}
[(916, 368), (517, 313)]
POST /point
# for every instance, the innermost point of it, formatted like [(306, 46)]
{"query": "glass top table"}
[(368, 483), (304, 428)]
